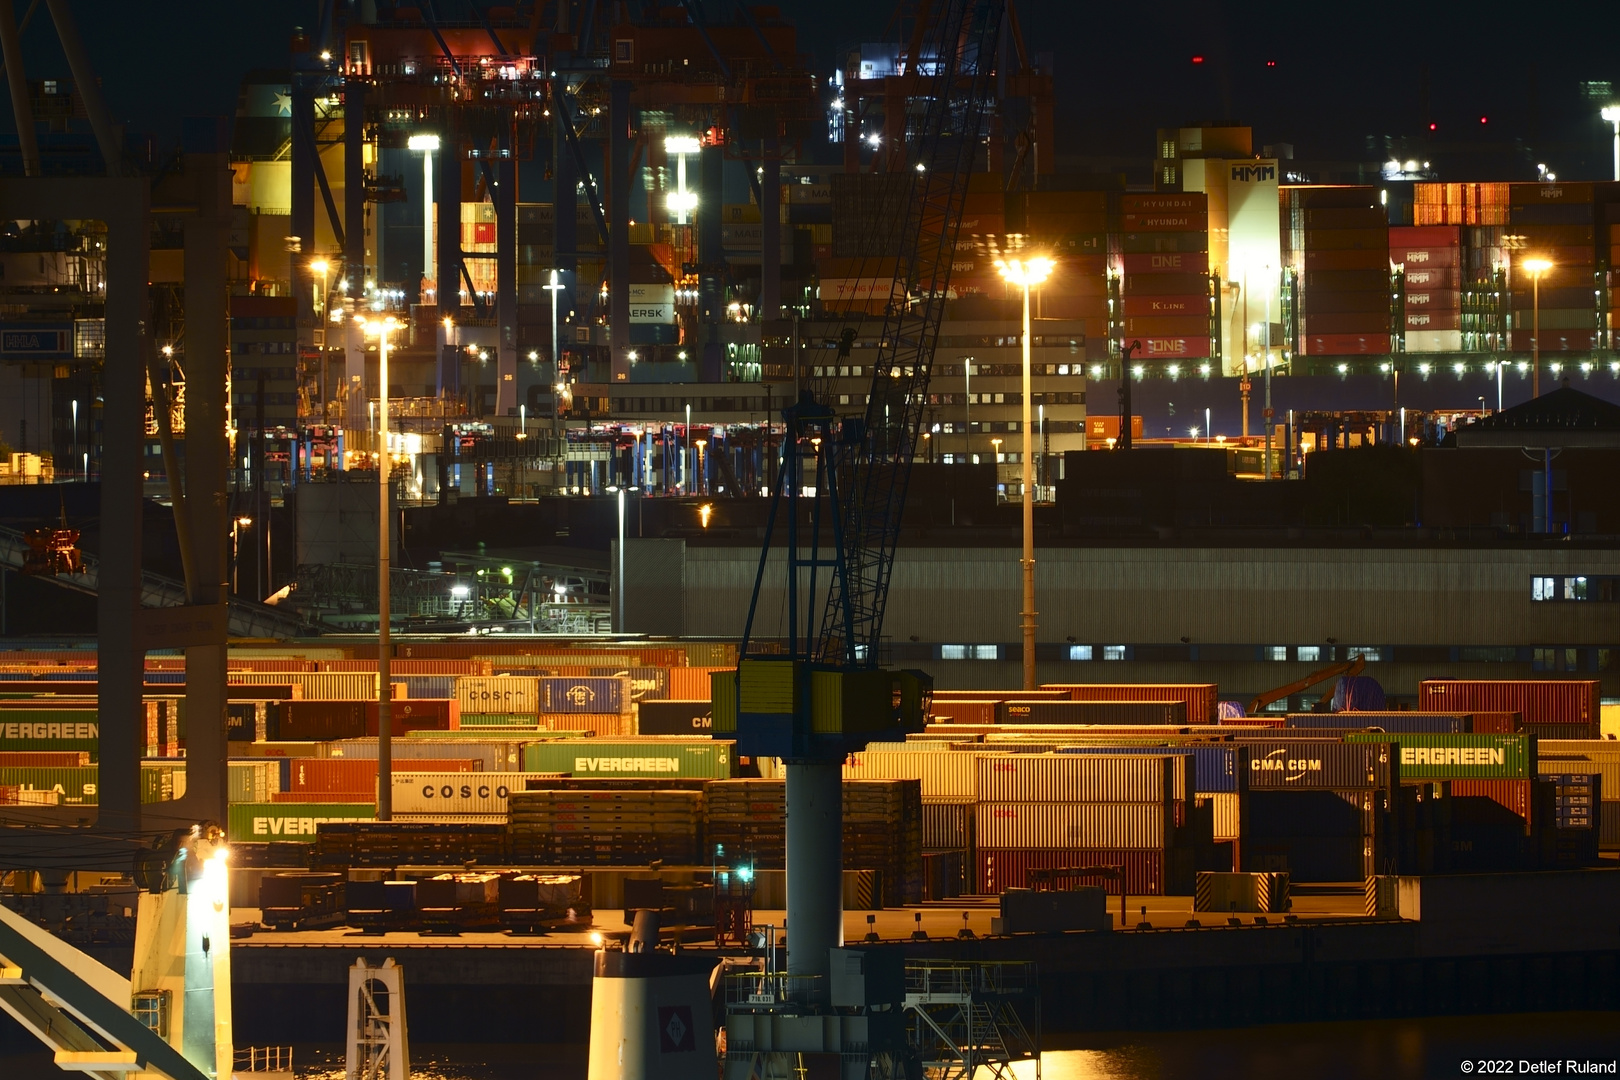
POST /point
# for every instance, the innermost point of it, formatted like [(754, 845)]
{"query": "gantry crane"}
[(843, 479)]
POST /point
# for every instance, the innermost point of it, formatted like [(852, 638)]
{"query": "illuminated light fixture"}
[(1423, 369), (1139, 370), (1203, 369), (633, 355), (921, 167), (1556, 367), (1344, 369), (1522, 366), (1459, 368), (874, 138), (1384, 368), (1175, 370), (682, 201), (1025, 272), (1611, 114), (326, 56)]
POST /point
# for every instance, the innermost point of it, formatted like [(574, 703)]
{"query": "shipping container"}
[(455, 793), (1165, 221), (1433, 299), (1345, 345), (1163, 283), (1319, 302), (674, 717), (643, 757), (947, 776), (1343, 259), (1431, 321), (55, 730), (254, 781), (1432, 277), (423, 687), (1191, 202), (1341, 239), (1179, 264), (1167, 326), (1091, 712), (1072, 824), (645, 683), (1385, 721), (1225, 814), (1572, 701), (43, 759), (490, 754), (1216, 768), (965, 712), (947, 824), (1200, 697), (1424, 236), (1162, 306), (1343, 281), (1424, 757), (498, 694), (1175, 348), (360, 774), (1145, 872), (1539, 194), (1359, 217), (1313, 835), (1076, 778), (1433, 341), (593, 694), (1317, 763), (260, 823), (1146, 243), (1413, 258), (1314, 327)]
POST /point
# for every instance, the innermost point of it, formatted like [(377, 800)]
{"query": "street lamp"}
[(1611, 113), (1027, 273), (554, 287), (1536, 268), (320, 266), (427, 144), (381, 328)]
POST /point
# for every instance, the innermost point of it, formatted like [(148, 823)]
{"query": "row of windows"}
[(972, 371), (1076, 398), (246, 373), (269, 399), (1569, 658), (970, 341), (264, 322), (1575, 587), (264, 348)]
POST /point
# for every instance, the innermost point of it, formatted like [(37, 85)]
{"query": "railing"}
[(958, 978), (263, 1059), (771, 992)]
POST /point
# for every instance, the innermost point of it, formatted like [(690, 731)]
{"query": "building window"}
[(1114, 652), (970, 652), (1487, 655), (1276, 652), (1575, 587), (1310, 653), (1079, 652), (1370, 653)]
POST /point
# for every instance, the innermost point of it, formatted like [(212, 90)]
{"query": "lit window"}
[(1276, 652), (1310, 653), (1575, 588), (1543, 588), (1370, 653), (1079, 652), (953, 652), (1113, 652), (987, 652)]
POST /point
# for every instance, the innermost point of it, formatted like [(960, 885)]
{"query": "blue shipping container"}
[(1417, 723), (592, 694), (646, 683), (430, 687)]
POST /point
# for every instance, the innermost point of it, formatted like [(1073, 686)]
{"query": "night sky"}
[(1343, 72)]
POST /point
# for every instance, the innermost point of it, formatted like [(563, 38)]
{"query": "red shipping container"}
[(1164, 284), (1414, 257), (1323, 302), (1201, 702), (691, 683), (1431, 277), (1002, 695), (1575, 298), (1166, 221), (1540, 237), (1346, 323), (1345, 259), (269, 666), (1424, 236), (1041, 225), (45, 759), (999, 869), (1165, 305), (1166, 262), (361, 797), (1433, 299), (1423, 319), (964, 712), (1072, 307), (1343, 239), (1345, 345), (1537, 701), (1495, 723), (1078, 267), (1192, 202), (1347, 281), (1099, 429), (1534, 194), (984, 202), (1167, 325), (360, 774), (1556, 340), (1171, 348)]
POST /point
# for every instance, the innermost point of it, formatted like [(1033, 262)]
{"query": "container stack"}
[(615, 827), (1459, 204), (1201, 698), (1317, 808), (1432, 260), (1551, 709), (1164, 264), (1072, 226), (390, 843), (1068, 811), (1600, 756), (1557, 223), (1337, 241)]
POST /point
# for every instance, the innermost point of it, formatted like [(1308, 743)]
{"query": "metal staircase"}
[(964, 1016), (246, 618)]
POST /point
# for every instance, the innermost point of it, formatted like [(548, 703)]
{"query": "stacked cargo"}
[(1557, 223), (619, 827), (488, 701), (1568, 835), (1600, 756), (357, 843), (1072, 226), (984, 223), (1164, 263), (1459, 204), (1200, 698), (693, 758), (1431, 257), (1091, 712), (1551, 709), (325, 720), (1050, 811), (1337, 242), (1317, 808)]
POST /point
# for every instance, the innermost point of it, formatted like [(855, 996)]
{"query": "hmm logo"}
[(1250, 174), (580, 696)]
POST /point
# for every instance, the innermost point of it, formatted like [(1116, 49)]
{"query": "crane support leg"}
[(815, 901)]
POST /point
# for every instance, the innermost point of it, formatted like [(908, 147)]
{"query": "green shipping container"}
[(80, 785), (254, 781), (50, 729), (1426, 757), (498, 720), (700, 759), (266, 823)]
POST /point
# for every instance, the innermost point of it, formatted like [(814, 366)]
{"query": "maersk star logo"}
[(283, 103)]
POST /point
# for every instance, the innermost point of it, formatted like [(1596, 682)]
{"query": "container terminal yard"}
[(572, 524)]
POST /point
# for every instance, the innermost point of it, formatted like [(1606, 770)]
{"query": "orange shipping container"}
[(1200, 697)]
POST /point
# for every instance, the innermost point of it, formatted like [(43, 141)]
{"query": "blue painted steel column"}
[(815, 864), (619, 231), (711, 254)]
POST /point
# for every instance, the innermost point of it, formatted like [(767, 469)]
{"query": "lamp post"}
[(427, 144), (385, 771), (683, 202), (1611, 113), (686, 458), (618, 572), (554, 287), (1027, 273), (1536, 267)]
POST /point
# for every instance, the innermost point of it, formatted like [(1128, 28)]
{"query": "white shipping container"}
[(319, 685), (1070, 825), (498, 694), (1604, 755), (943, 776), (1225, 812), (1110, 778), (455, 793)]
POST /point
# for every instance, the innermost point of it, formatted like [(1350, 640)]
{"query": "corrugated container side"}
[(943, 776), (1604, 754), (1075, 777), (703, 758), (1424, 757), (1224, 808), (964, 712), (1496, 723), (1388, 721), (592, 694), (1317, 763), (422, 687), (489, 755), (692, 683), (1201, 698), (498, 694), (947, 824), (999, 869), (1091, 712), (1541, 701), (1071, 824), (260, 823), (360, 774), (1214, 768), (455, 793)]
